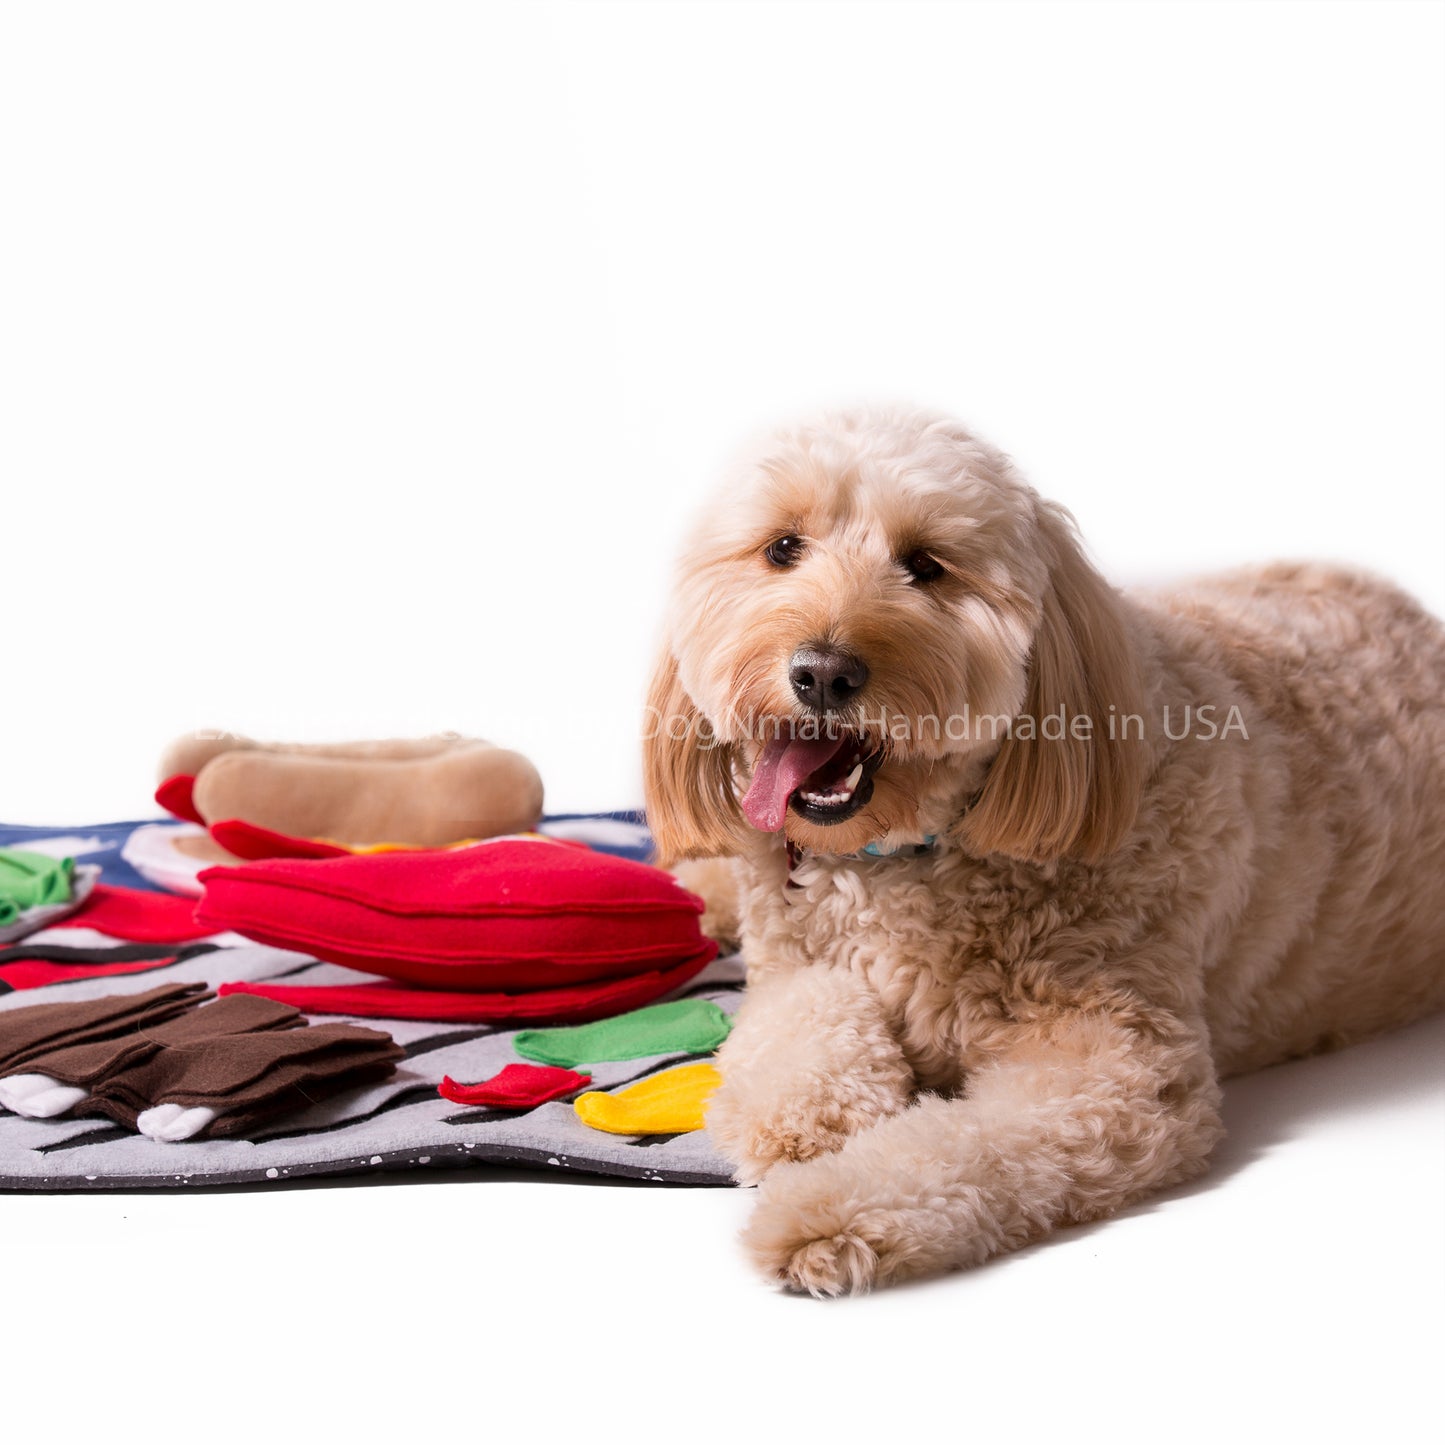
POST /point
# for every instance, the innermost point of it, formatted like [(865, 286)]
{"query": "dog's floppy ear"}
[(1075, 796), (687, 774)]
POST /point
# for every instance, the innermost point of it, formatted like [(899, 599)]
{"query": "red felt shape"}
[(177, 796), (37, 973), (577, 1003), (138, 916), (518, 1086), (248, 840), (515, 913)]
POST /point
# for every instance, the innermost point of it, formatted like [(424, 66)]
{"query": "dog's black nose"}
[(826, 678)]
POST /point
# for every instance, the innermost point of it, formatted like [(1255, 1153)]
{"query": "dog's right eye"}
[(785, 551)]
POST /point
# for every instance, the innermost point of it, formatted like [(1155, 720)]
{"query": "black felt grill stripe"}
[(432, 1042), (487, 1114), (103, 1135), (669, 1063), (414, 1095), (291, 972), (121, 953)]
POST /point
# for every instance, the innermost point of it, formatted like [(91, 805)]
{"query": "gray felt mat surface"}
[(400, 1124)]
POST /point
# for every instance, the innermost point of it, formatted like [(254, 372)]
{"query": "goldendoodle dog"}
[(1026, 864)]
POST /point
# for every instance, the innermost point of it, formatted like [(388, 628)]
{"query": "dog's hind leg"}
[(1072, 1121)]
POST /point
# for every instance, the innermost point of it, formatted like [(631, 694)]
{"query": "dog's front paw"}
[(806, 1242), (755, 1136), (810, 1063)]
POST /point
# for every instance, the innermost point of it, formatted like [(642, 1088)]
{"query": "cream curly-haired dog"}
[(1027, 865)]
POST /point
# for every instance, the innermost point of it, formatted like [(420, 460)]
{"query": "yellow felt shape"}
[(668, 1103)]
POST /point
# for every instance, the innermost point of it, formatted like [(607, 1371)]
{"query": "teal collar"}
[(877, 850), (871, 850)]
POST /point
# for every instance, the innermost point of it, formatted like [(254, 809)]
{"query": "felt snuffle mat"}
[(676, 1011)]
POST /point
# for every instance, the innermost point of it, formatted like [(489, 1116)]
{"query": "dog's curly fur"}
[(947, 1052)]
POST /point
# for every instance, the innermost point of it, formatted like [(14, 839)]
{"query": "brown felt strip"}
[(296, 1079), (87, 1064), (292, 1085), (30, 1031), (297, 1097), (235, 1067)]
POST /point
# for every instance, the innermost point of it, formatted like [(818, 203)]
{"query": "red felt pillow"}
[(511, 913), (572, 1003)]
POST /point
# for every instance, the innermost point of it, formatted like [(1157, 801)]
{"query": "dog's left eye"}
[(921, 567), (785, 551)]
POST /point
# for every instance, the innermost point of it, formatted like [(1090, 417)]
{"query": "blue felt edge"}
[(115, 870)]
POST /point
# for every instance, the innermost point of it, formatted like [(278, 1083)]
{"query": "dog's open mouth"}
[(822, 779)]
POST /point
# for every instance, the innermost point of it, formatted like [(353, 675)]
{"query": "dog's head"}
[(877, 634)]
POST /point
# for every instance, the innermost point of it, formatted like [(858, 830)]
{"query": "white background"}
[(359, 368)]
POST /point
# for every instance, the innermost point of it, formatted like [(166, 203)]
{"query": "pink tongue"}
[(780, 769)]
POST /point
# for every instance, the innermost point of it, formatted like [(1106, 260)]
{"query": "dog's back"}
[(1342, 680)]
